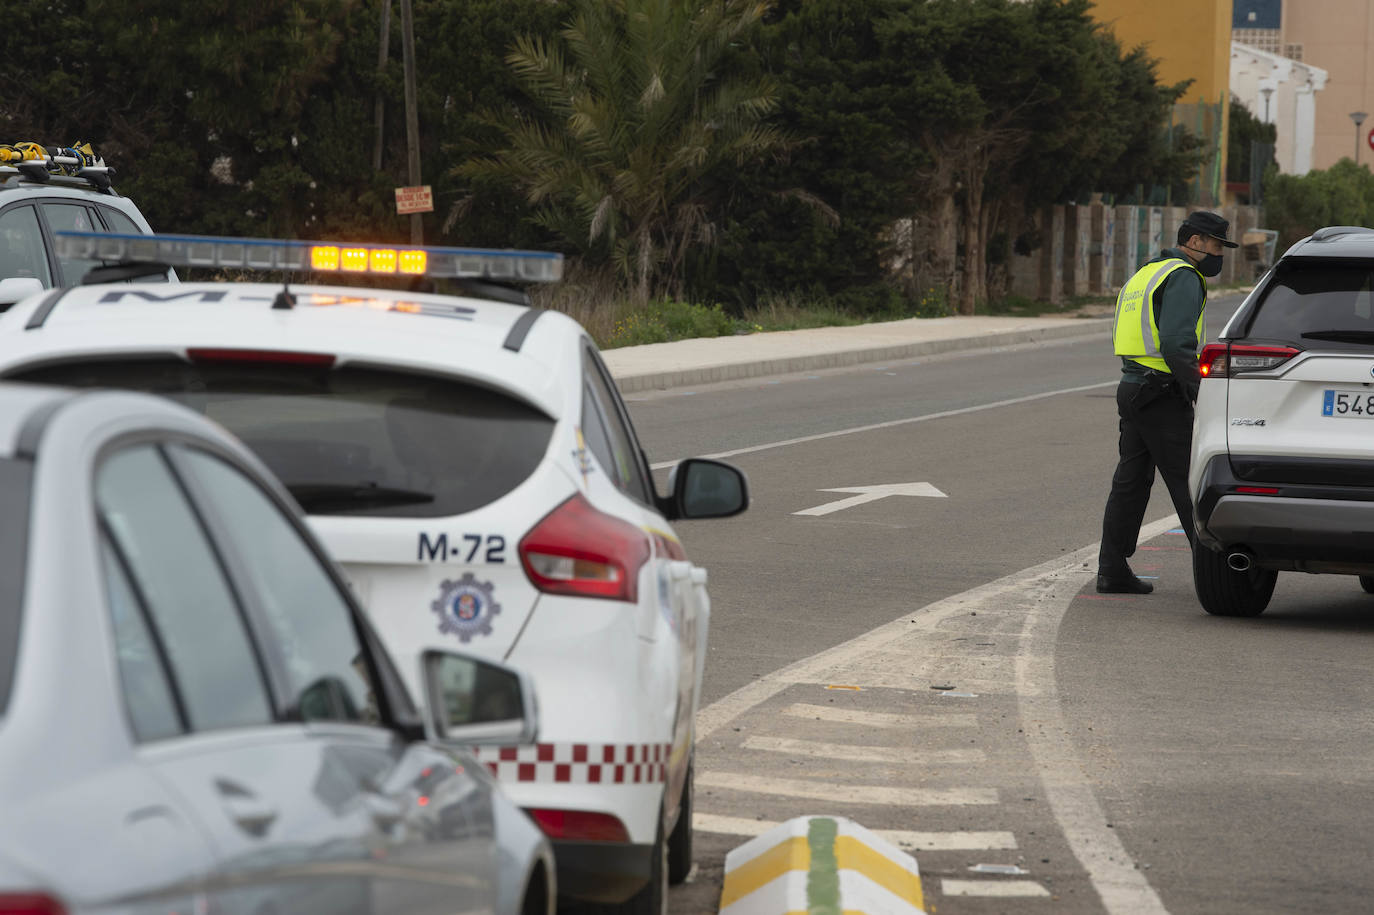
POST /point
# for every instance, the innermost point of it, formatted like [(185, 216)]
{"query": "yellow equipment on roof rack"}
[(39, 163), (67, 160)]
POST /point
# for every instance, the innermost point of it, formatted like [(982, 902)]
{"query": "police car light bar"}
[(359, 258)]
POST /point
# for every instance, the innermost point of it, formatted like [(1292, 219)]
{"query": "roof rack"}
[(42, 163), (1335, 231)]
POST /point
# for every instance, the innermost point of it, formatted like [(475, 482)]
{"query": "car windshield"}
[(350, 441), (15, 477), (1317, 304)]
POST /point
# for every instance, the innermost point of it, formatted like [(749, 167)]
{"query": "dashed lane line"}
[(885, 720), (874, 795), (1040, 595), (903, 838), (873, 427), (814, 749)]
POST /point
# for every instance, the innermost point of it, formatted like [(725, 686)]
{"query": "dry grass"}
[(593, 298)]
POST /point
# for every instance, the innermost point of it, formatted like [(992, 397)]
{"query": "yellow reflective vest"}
[(1137, 334)]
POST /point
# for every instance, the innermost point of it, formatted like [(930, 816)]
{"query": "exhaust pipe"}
[(1239, 561)]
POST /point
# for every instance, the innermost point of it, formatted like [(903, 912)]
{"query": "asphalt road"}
[(1126, 754)]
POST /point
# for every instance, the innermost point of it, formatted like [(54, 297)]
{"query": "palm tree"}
[(636, 103)]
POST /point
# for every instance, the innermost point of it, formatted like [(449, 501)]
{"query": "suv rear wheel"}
[(1223, 591), (1367, 582)]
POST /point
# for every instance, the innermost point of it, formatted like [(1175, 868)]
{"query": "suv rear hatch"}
[(1300, 393)]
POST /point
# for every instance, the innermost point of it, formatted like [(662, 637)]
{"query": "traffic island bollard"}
[(820, 866)]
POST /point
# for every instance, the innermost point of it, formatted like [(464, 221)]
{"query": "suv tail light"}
[(580, 825), (30, 904), (579, 551), (1226, 360)]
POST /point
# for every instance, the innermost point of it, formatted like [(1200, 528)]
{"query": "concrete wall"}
[(1093, 249)]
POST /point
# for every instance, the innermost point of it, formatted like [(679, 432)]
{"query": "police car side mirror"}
[(18, 287), (703, 488), (474, 701)]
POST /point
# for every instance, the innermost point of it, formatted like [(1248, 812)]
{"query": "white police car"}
[(1282, 474), (45, 190), (471, 465)]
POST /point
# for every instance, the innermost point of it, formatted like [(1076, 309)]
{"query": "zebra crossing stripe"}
[(820, 866), (902, 838), (878, 719), (855, 753), (992, 888), (833, 792)]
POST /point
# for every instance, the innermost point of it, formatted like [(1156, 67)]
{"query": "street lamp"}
[(1266, 92), (1358, 117)]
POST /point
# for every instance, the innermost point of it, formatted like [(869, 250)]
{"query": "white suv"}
[(1282, 475), (45, 190)]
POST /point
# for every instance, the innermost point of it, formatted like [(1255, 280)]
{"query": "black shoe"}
[(1128, 585)]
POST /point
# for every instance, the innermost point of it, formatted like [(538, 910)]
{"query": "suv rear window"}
[(350, 441), (1316, 304), (15, 477)]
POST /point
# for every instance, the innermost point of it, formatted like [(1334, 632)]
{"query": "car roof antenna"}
[(285, 299)]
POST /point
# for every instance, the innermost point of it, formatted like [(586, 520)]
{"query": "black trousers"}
[(1156, 435)]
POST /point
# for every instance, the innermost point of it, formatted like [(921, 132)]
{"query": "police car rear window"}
[(350, 441), (15, 476), (1317, 304)]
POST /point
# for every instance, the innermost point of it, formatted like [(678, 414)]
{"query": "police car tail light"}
[(580, 825), (579, 551), (30, 904), (1226, 360)]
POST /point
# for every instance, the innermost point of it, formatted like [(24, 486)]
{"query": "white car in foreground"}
[(1282, 474), (196, 716), (471, 465)]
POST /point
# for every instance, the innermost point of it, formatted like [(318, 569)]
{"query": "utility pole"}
[(417, 230), (383, 51)]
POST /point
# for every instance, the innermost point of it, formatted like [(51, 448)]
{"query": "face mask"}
[(1210, 265)]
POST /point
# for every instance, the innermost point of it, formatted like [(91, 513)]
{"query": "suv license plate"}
[(1348, 404)]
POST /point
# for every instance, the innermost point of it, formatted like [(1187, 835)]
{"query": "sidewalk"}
[(657, 366)]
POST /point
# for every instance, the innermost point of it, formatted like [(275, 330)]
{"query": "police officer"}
[(1159, 330)]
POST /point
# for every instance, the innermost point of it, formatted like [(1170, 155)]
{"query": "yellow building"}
[(1191, 40)]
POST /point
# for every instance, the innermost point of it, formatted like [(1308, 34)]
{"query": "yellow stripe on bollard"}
[(792, 855), (854, 855)]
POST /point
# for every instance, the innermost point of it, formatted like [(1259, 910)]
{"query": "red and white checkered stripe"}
[(578, 763)]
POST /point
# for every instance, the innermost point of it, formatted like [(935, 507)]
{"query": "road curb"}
[(757, 368), (819, 864)]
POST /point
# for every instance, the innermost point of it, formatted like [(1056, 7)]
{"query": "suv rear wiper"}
[(1341, 336), (318, 497)]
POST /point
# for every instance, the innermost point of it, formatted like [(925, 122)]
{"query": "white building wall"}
[(1304, 124), (1290, 104)]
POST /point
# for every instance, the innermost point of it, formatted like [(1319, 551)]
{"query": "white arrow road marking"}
[(872, 494)]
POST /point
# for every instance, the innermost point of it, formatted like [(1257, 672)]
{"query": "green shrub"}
[(662, 321)]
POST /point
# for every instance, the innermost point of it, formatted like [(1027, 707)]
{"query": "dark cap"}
[(1206, 223)]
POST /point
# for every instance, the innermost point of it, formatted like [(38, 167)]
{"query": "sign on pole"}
[(414, 200), (1370, 139)]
